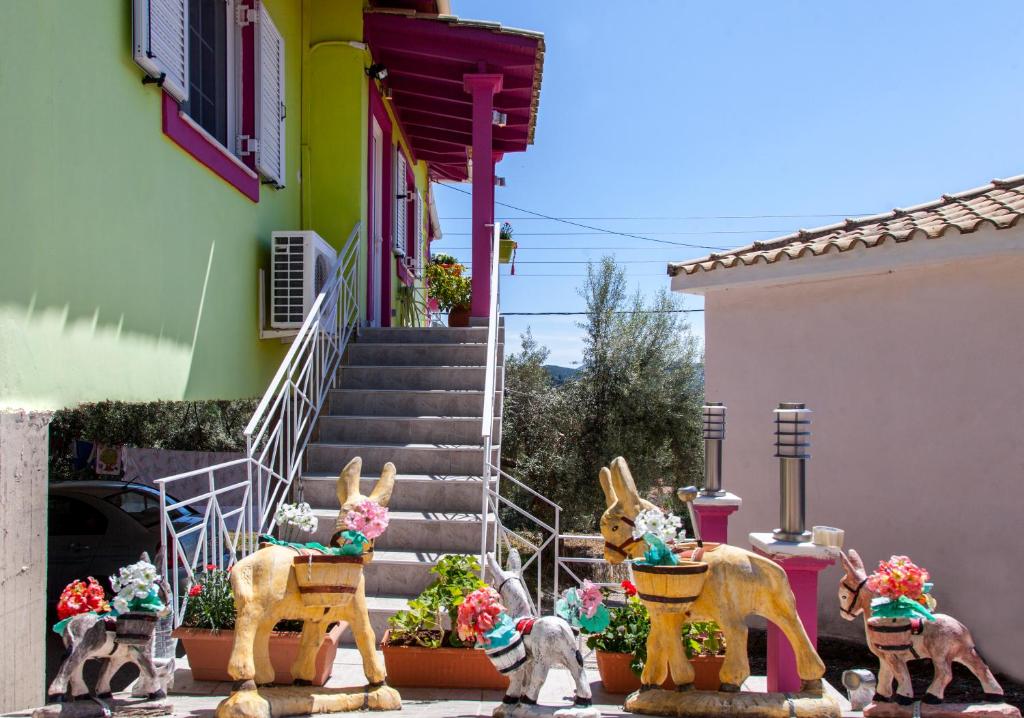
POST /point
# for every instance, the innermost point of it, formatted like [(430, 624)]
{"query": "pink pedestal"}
[(802, 572), (714, 522)]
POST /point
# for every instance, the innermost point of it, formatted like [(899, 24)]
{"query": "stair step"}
[(400, 573), (412, 491), (418, 531), (426, 335), (407, 402), (445, 459), (404, 429), (364, 353), (416, 377)]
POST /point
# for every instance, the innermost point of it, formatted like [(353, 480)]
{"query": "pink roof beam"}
[(428, 58)]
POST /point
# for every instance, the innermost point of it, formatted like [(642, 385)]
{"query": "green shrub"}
[(446, 283)]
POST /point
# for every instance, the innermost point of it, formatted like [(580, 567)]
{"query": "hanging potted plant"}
[(449, 288), (506, 245), (420, 650), (622, 648), (207, 630)]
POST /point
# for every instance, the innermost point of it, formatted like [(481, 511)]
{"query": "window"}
[(209, 55), (71, 517), (221, 66)]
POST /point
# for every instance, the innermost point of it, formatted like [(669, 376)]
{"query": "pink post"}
[(482, 87), (802, 563), (713, 514)]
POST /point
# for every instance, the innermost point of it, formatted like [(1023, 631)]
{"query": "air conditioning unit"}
[(300, 265)]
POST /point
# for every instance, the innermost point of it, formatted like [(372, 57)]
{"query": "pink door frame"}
[(378, 112)]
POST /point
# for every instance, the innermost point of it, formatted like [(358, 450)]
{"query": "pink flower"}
[(368, 518), (899, 576), (591, 598), (478, 614)]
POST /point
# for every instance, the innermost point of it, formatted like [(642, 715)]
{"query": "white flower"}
[(665, 526), (298, 516)]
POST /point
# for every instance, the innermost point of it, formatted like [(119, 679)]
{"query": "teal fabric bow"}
[(658, 553), (901, 607), (570, 609), (355, 541)]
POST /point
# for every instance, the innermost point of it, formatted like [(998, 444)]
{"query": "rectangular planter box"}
[(417, 667), (617, 676), (209, 652)]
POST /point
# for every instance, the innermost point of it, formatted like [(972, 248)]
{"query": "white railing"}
[(219, 525), (279, 430)]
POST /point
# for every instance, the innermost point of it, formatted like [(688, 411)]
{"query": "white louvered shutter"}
[(399, 235), (160, 42), (417, 247), (270, 107)]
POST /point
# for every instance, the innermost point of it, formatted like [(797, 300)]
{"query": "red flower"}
[(195, 590), (210, 567), (228, 569), (629, 588)]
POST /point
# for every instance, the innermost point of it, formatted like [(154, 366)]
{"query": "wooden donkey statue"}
[(943, 640), (739, 583), (266, 591)]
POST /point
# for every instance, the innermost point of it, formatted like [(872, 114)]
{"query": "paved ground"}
[(199, 699)]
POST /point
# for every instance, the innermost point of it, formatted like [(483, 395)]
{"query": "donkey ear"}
[(514, 564), (623, 486), (348, 481), (605, 477), (381, 493), (855, 560)]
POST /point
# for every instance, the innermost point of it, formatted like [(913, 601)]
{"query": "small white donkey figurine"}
[(550, 642)]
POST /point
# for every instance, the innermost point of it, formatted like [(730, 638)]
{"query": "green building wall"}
[(129, 270)]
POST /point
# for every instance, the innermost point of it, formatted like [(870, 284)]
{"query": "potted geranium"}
[(506, 245), (622, 648), (447, 286), (421, 649)]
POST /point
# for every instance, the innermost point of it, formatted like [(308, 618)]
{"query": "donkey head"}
[(348, 489), (853, 593), (509, 583), (623, 504)]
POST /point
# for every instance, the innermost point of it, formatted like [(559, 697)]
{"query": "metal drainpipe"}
[(792, 432), (713, 414)]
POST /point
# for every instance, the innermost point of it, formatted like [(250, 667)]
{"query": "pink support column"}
[(802, 563), (713, 514), (482, 87)]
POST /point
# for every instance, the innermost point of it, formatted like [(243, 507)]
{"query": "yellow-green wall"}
[(128, 270)]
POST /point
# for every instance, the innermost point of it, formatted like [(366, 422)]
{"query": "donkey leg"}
[(942, 674), (736, 666), (883, 691), (572, 659), (261, 652), (809, 665), (904, 686), (656, 669), (144, 660), (362, 632), (981, 671), (537, 673), (110, 668), (304, 668), (242, 665), (59, 685), (679, 667), (511, 698)]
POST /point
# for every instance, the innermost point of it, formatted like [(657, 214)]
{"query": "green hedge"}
[(185, 425)]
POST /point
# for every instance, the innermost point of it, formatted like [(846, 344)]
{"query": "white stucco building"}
[(904, 333)]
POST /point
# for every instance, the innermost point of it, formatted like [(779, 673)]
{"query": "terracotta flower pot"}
[(617, 676), (459, 316), (209, 651), (417, 667)]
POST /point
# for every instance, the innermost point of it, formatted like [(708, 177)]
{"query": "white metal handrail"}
[(279, 430), (242, 496)]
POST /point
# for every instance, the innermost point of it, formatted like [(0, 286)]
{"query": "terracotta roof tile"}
[(999, 204)]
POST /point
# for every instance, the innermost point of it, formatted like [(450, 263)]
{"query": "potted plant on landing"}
[(622, 648), (420, 651), (449, 288), (506, 245)]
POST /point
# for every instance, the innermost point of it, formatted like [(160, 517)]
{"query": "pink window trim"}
[(191, 138), (378, 111), (404, 275)]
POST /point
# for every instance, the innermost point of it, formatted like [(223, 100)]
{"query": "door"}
[(376, 243)]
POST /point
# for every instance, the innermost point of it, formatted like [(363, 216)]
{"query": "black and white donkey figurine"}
[(89, 637), (550, 642)]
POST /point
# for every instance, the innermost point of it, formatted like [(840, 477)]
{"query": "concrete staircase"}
[(413, 397)]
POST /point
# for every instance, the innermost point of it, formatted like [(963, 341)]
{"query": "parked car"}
[(95, 527)]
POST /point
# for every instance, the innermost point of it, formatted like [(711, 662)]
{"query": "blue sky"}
[(672, 108)]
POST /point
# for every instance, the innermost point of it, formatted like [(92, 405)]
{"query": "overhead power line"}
[(580, 314), (602, 230), (663, 234), (685, 217)]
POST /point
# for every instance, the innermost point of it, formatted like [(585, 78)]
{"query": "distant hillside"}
[(560, 374)]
